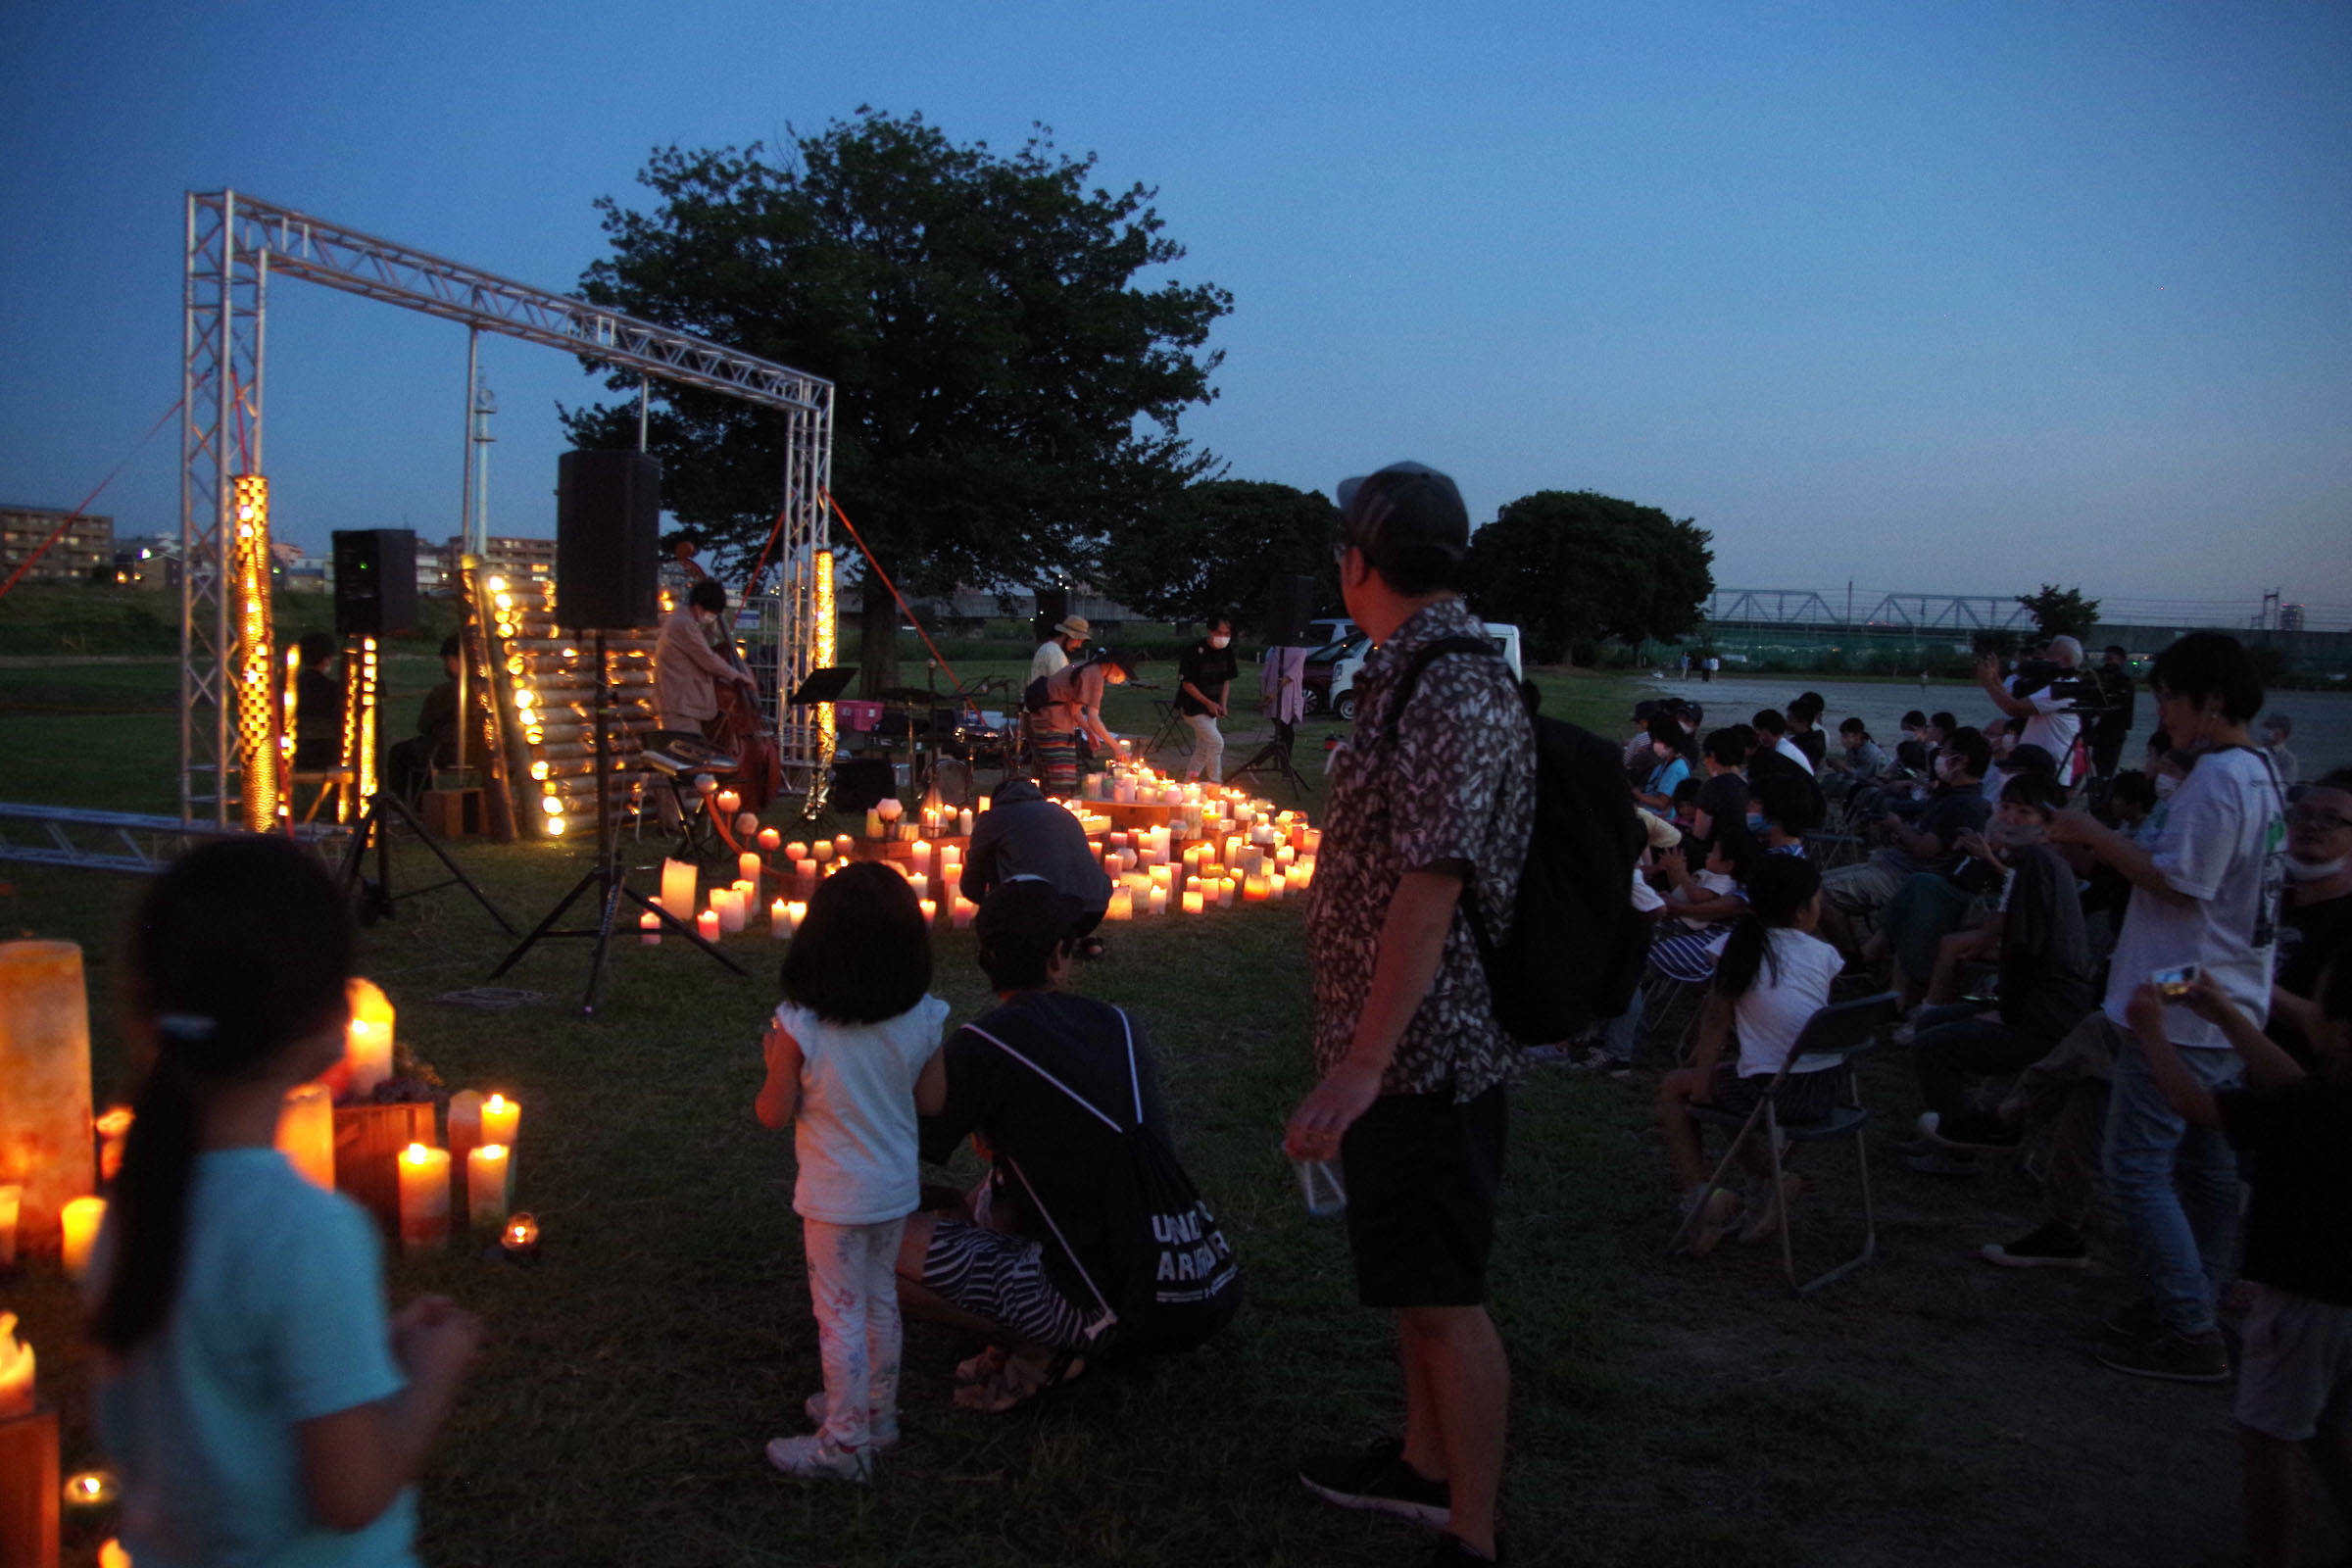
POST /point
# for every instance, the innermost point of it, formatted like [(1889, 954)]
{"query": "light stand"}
[(606, 876), (1275, 756), (376, 898)]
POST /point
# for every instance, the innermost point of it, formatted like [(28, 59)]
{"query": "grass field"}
[(1929, 1410)]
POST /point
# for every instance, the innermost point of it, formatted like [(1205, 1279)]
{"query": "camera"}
[(2036, 675)]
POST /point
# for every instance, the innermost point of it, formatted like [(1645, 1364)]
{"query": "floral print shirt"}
[(1450, 782)]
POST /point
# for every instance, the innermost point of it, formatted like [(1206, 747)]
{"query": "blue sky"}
[(1939, 297)]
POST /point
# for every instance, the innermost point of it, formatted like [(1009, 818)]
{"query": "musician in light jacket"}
[(687, 671)]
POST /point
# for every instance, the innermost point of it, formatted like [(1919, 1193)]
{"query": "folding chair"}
[(1171, 725), (1842, 1031)]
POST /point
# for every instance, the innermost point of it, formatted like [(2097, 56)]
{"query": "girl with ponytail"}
[(1773, 977), (257, 1399)]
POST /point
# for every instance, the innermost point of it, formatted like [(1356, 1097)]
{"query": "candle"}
[(112, 1555), (794, 913), (921, 885), (1192, 900), (705, 784), (16, 1372), (501, 1117), (930, 908), (423, 1198), (779, 919), (113, 1128), (746, 827), (44, 1082), (367, 1037), (1311, 841), (1227, 887), (728, 802), (771, 840), (678, 879), (747, 866), (964, 912), (822, 851), (727, 903), (91, 1489), (873, 822), (1156, 902), (486, 1187), (1253, 888), (79, 1223), (891, 808), (794, 851), (306, 1133), (522, 1234), (804, 878), (1122, 905), (12, 1202), (465, 1123), (648, 929), (841, 844), (983, 806), (964, 825)]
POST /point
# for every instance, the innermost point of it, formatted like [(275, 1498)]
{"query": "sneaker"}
[(1377, 1477), (2052, 1245), (1942, 1162), (2170, 1356), (812, 1458), (1716, 1214), (2133, 1322), (1548, 1053), (881, 1431)]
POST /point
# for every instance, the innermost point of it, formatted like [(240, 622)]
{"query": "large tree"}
[(2061, 612), (1218, 545), (1006, 392), (1572, 568)]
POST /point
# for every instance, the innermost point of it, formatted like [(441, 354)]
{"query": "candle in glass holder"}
[(727, 802), (367, 1037), (78, 1221), (423, 1198), (771, 840), (306, 1133), (486, 1187), (748, 867)]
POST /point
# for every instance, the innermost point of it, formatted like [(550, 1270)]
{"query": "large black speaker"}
[(607, 536), (1052, 609), (376, 581), (1290, 606)]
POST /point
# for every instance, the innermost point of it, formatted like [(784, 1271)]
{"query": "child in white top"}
[(852, 1051)]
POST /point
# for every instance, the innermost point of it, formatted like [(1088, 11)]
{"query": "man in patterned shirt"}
[(1431, 807)]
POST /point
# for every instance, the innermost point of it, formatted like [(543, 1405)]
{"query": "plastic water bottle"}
[(1320, 1184)]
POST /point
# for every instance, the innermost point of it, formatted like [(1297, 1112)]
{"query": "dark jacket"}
[(1025, 834)]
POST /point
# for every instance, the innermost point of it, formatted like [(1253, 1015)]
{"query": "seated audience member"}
[(1792, 807), (1640, 760), (1669, 768), (2294, 1383), (1914, 752), (1700, 906), (1940, 728), (2275, 728), (1014, 1259), (1933, 844), (2314, 927), (1613, 1048), (1025, 837), (2037, 938), (1857, 759), (1775, 975), (410, 764), (1723, 799), (1772, 732), (1804, 729), (1685, 816)]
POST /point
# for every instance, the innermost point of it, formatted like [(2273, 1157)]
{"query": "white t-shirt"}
[(1049, 658), (1646, 896), (1789, 749), (2053, 726), (855, 1136), (2220, 840), (1774, 1011)]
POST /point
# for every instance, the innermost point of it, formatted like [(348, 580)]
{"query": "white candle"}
[(921, 885), (964, 825), (1156, 902), (423, 1198), (728, 802), (486, 1187), (79, 1220), (747, 866), (964, 912), (648, 929), (367, 1037), (779, 919), (771, 840), (727, 903), (821, 850), (930, 910), (795, 852), (746, 827), (465, 1122), (501, 1118), (16, 1375), (804, 878), (842, 846), (306, 1133), (794, 913), (1122, 905), (678, 879), (1192, 900)]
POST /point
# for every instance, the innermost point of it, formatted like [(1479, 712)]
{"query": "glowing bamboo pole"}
[(255, 657)]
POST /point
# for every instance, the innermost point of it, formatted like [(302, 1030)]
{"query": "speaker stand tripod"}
[(606, 876), (1275, 756), (374, 899)]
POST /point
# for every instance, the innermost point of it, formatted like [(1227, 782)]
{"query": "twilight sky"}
[(1941, 297)]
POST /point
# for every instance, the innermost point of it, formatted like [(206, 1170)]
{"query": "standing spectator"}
[(2275, 732), (1205, 675), (2315, 928), (1432, 804), (687, 671), (2297, 1384), (2117, 701), (319, 706), (2205, 879), (1055, 652), (2045, 697), (1713, 664)]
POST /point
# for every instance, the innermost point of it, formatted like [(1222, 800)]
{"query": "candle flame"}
[(415, 1153), (496, 1102)]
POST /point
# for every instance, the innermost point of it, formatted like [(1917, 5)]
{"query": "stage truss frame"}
[(235, 244)]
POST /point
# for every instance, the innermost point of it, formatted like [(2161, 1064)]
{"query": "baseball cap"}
[(1027, 909), (1407, 514)]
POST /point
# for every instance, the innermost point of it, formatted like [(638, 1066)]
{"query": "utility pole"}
[(484, 406)]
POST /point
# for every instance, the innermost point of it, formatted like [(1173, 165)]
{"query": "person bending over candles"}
[(1023, 836), (1072, 706)]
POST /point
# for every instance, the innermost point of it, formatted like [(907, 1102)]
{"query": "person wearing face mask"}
[(2038, 937), (2206, 877), (2314, 927), (1930, 843), (1204, 676), (1669, 767)]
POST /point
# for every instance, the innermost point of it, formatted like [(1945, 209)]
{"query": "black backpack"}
[(1576, 947), (1178, 1282), (1033, 695)]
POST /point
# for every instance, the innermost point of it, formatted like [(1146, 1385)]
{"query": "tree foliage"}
[(2061, 612), (1573, 568), (1217, 545), (1005, 391)]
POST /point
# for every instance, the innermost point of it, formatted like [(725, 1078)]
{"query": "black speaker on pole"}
[(608, 534), (376, 581), (1290, 606), (1052, 609)]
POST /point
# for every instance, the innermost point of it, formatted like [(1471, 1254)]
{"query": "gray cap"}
[(1404, 511)]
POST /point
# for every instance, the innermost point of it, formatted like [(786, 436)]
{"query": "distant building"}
[(147, 561), (88, 543), (504, 556), (2290, 618)]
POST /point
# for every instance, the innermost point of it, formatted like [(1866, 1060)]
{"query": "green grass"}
[(1930, 1410)]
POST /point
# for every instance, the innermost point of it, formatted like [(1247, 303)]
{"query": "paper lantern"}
[(45, 1141)]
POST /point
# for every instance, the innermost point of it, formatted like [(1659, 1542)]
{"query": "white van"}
[(1331, 671)]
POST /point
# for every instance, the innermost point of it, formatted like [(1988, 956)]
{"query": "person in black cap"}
[(1023, 836), (1431, 803)]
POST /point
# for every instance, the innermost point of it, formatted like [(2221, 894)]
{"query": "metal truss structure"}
[(1803, 606), (117, 840), (234, 245)]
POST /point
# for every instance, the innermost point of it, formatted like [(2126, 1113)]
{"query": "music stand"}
[(606, 876)]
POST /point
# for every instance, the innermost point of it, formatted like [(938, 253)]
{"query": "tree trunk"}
[(878, 639)]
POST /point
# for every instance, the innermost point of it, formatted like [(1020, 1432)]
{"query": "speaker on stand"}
[(608, 512)]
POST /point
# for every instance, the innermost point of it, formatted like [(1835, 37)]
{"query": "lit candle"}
[(794, 913), (501, 1117), (1156, 902), (1311, 841), (522, 1234), (921, 885), (842, 846), (1253, 888), (648, 929), (728, 802), (822, 851), (113, 1128), (678, 879), (465, 1123), (930, 908), (727, 905), (1122, 905), (367, 1037), (91, 1489), (984, 806), (12, 1203), (486, 1187), (747, 866), (423, 1198), (794, 851), (16, 1372), (804, 878), (964, 825), (1192, 900), (112, 1555), (1227, 887), (771, 840), (964, 912), (779, 919), (306, 1133), (78, 1222)]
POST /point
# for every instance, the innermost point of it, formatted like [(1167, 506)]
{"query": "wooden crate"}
[(29, 1491), (368, 1140), (452, 814)]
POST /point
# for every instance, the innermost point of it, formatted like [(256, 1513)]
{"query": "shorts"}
[(1001, 1277), (2295, 1365), (1803, 1096), (1422, 1175)]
